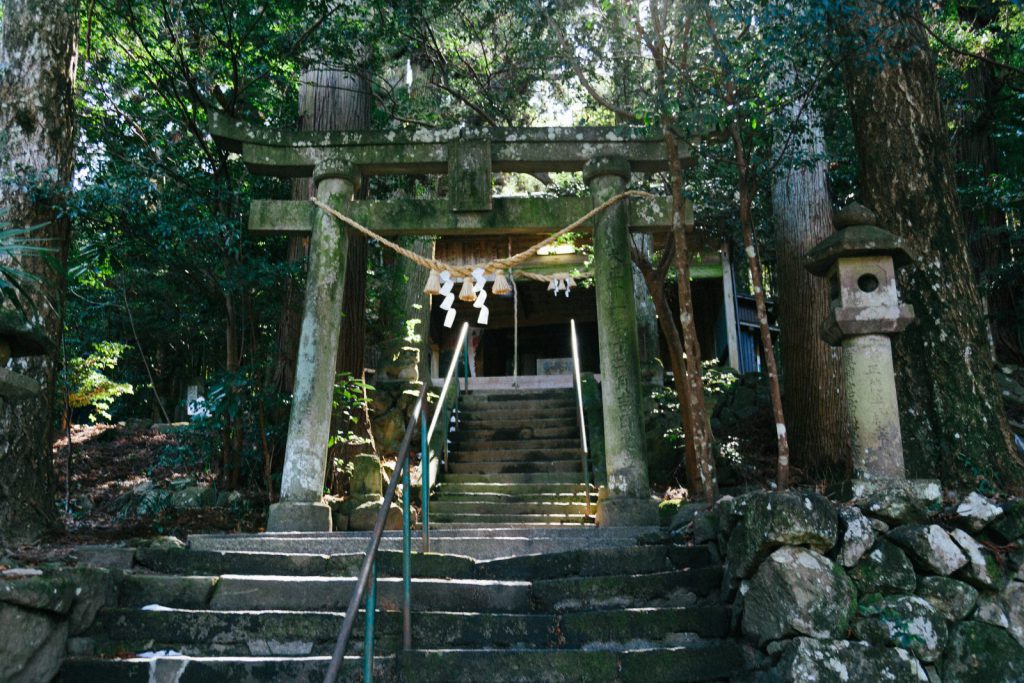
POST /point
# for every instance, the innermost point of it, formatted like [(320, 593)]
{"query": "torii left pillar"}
[(302, 507)]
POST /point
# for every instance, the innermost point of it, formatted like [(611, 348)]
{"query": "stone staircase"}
[(501, 605), (515, 460)]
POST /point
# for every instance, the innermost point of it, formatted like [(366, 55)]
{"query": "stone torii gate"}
[(338, 161)]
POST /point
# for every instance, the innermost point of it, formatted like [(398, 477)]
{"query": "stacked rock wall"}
[(39, 611), (882, 589)]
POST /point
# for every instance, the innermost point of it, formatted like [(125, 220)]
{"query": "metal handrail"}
[(427, 433), (368, 569), (580, 416)]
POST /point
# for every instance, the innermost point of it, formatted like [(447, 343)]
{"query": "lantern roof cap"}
[(857, 235)]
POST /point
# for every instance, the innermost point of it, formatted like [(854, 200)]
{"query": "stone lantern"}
[(18, 339), (860, 262)]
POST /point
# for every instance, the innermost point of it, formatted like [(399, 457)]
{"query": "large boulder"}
[(1004, 609), (193, 497), (770, 520), (976, 511), (388, 430), (1009, 528), (953, 599), (894, 502), (885, 569), (991, 610), (684, 515), (929, 548), (797, 592), (364, 516), (856, 536), (705, 527), (34, 626), (33, 645), (982, 653), (842, 661), (982, 570), (905, 621), (94, 589), (1013, 598), (34, 590)]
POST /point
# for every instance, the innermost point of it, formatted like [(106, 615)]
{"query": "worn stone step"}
[(677, 588), (590, 561), (515, 445), (473, 432), (539, 452), (505, 508), (572, 563), (227, 669), (456, 488), (276, 633), (711, 660), (213, 563), (447, 494), (513, 421), (317, 593), (515, 467), (475, 400), (471, 424), (496, 414), (500, 478), (490, 519), (500, 395), (455, 526), (481, 544)]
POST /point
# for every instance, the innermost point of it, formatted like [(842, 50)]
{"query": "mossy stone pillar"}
[(302, 507), (629, 501)]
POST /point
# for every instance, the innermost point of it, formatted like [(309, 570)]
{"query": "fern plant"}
[(15, 245)]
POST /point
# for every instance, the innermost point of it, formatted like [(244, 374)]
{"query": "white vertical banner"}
[(479, 280), (446, 291)]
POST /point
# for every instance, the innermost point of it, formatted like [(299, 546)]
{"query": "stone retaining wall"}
[(40, 611), (882, 589)]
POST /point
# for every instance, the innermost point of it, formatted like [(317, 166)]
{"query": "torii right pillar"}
[(628, 501)]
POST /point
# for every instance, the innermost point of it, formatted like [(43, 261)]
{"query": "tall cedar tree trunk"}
[(954, 427), (985, 226), (814, 397), (38, 61)]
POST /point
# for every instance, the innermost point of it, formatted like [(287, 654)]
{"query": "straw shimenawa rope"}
[(491, 266)]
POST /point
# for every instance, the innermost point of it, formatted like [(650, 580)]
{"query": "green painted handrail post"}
[(425, 479), (371, 617), (406, 559)]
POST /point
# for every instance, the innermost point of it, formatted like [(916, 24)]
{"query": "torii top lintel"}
[(267, 151)]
